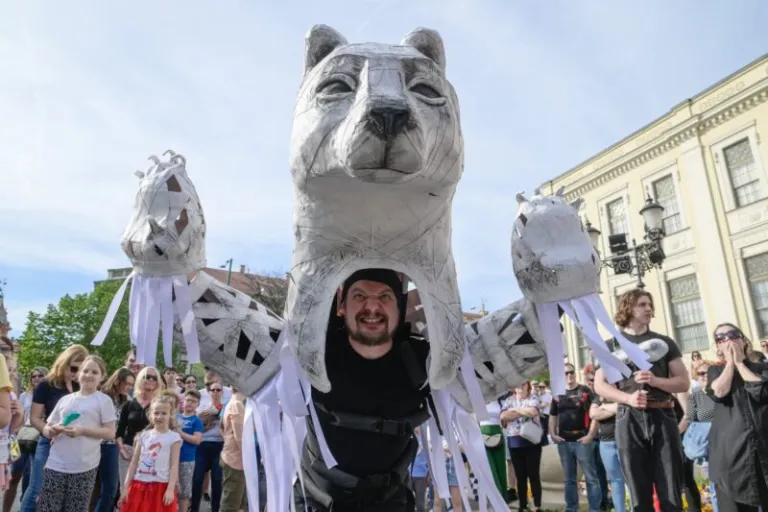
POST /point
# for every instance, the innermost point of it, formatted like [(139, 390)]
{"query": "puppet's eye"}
[(334, 86)]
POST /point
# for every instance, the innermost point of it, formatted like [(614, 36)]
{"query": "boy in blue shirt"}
[(191, 431)]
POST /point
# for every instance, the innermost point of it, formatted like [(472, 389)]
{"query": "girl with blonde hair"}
[(154, 470), (60, 381)]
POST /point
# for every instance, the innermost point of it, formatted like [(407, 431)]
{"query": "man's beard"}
[(372, 340)]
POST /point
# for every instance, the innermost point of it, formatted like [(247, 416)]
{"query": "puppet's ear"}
[(320, 41), (428, 42)]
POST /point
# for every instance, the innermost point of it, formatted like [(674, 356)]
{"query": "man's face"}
[(131, 364), (170, 377), (570, 375), (370, 312), (643, 310)]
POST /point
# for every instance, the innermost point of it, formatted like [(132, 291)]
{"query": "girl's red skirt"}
[(148, 497)]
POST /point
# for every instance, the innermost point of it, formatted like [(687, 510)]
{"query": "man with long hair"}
[(647, 437)]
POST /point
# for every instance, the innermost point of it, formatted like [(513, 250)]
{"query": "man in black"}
[(378, 396), (647, 436), (574, 432)]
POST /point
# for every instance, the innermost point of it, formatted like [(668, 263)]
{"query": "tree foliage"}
[(77, 319)]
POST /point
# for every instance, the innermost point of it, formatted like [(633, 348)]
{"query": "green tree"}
[(77, 319)]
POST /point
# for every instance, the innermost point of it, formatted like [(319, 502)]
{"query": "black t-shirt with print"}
[(572, 412), (606, 428), (660, 368), (49, 395)]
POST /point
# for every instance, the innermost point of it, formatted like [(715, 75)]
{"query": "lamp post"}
[(228, 265), (636, 259)]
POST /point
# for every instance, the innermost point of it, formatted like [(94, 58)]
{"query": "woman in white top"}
[(76, 427), (493, 435), (520, 417)]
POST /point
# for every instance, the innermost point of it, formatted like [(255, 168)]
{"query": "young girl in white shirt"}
[(76, 427), (152, 476)]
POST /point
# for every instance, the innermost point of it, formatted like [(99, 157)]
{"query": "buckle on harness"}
[(391, 427)]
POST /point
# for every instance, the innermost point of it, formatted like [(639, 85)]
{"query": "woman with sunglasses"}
[(738, 453), (58, 383), (208, 454), (20, 471), (133, 415)]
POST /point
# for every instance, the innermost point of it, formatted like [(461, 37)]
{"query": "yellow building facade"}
[(706, 162)]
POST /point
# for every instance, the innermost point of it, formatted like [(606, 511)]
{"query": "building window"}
[(585, 353), (617, 217), (757, 275), (664, 191), (743, 172), (688, 314)]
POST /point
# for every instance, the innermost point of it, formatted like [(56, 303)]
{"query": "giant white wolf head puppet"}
[(376, 153)]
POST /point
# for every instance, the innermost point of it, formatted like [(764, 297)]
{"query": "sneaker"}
[(511, 495)]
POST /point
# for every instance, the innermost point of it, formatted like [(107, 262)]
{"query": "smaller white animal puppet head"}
[(236, 334), (376, 153), (166, 233), (165, 241), (557, 268), (552, 254)]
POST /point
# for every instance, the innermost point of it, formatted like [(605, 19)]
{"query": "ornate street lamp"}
[(636, 259)]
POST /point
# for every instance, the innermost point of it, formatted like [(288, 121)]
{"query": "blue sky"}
[(89, 89)]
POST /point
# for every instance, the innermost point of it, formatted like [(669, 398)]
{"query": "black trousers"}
[(651, 454), (692, 494), (527, 464)]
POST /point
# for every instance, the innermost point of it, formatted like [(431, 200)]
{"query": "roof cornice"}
[(696, 125)]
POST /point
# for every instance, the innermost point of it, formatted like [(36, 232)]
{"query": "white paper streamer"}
[(146, 350), (250, 459), (166, 318), (471, 437), (549, 321), (613, 368), (634, 353), (114, 306), (186, 318), (437, 456), (473, 386)]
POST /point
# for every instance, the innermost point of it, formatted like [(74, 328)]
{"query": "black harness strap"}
[(355, 421)]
